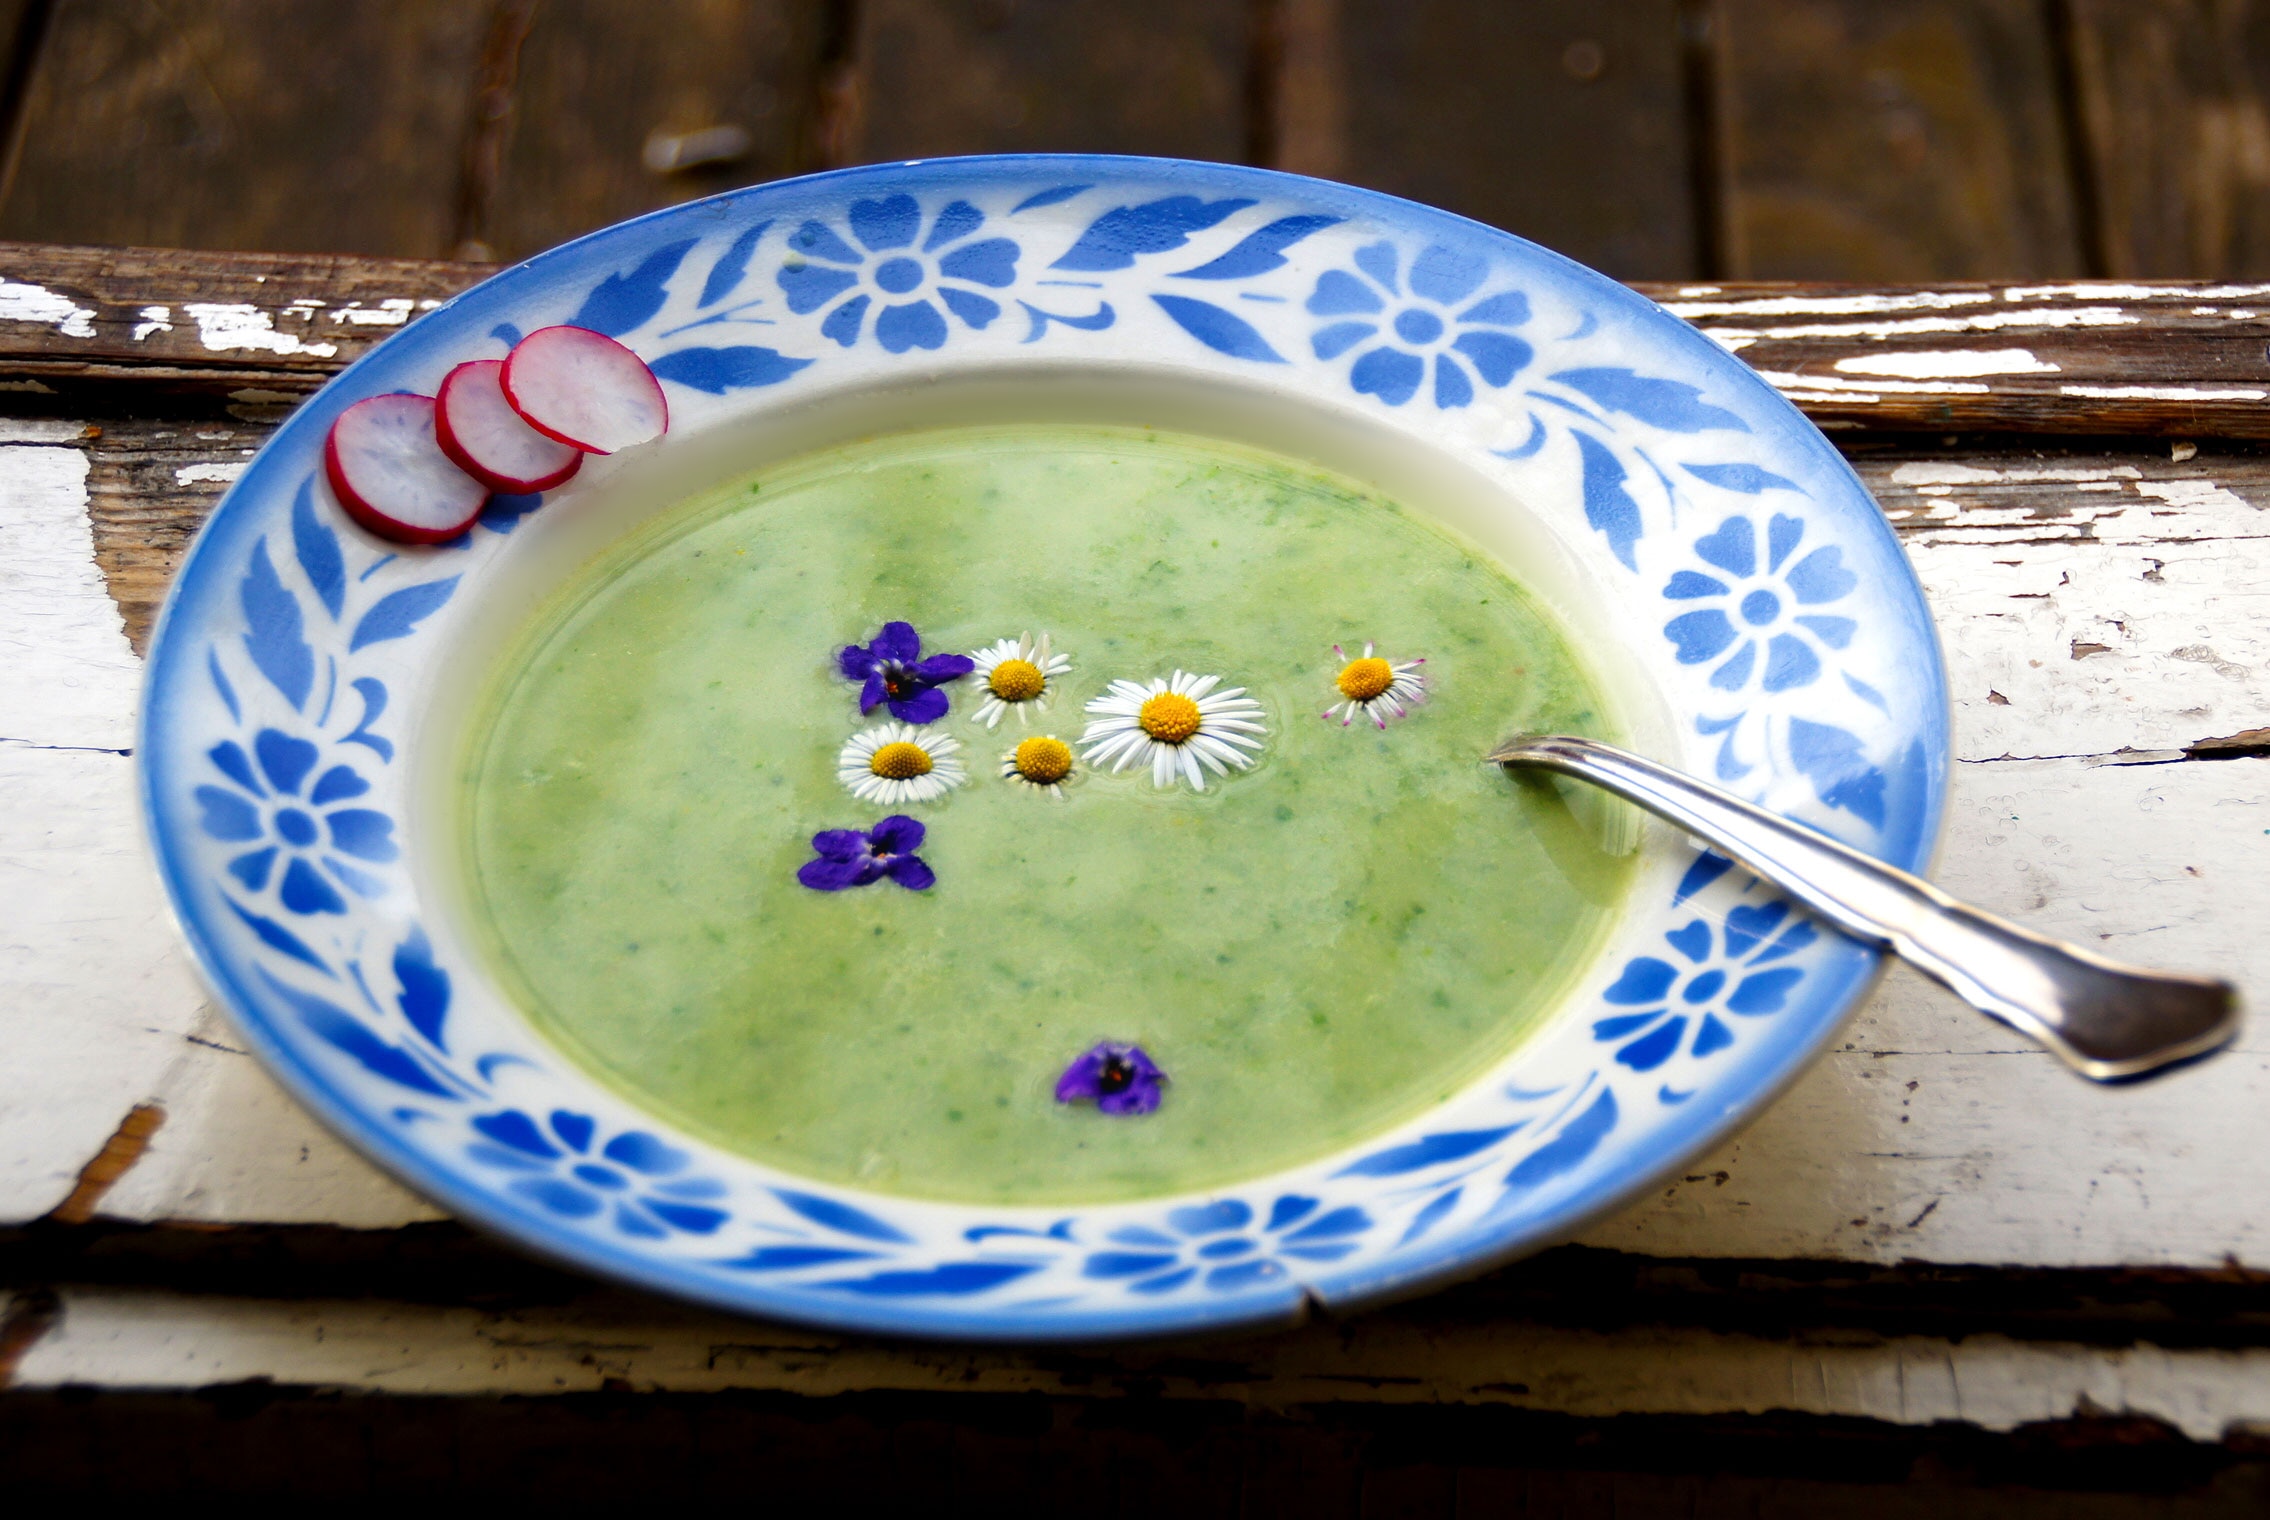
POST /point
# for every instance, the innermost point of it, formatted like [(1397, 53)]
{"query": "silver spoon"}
[(2103, 1019)]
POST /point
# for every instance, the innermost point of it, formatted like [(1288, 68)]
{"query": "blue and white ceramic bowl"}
[(1712, 552)]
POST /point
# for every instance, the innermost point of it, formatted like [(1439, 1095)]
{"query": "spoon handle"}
[(2105, 1020)]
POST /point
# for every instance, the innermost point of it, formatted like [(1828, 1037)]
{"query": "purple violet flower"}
[(1121, 1079), (895, 674), (853, 858)]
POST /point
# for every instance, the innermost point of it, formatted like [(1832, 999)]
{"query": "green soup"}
[(1312, 948)]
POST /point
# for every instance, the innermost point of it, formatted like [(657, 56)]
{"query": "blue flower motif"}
[(1216, 1239), (1757, 606), (822, 266), (634, 1174), (1415, 329), (267, 810), (1720, 972)]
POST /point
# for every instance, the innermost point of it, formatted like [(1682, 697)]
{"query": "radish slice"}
[(584, 389), (392, 477), (478, 429)]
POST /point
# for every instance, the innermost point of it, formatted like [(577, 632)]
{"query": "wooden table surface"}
[(1937, 1224)]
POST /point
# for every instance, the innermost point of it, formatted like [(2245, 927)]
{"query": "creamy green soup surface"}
[(1313, 949)]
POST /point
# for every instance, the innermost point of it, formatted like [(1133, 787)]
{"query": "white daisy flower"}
[(1017, 673), (1178, 724), (1375, 688), (1040, 764), (893, 763)]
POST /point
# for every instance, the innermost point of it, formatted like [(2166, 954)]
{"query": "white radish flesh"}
[(584, 389), (392, 477), (478, 429)]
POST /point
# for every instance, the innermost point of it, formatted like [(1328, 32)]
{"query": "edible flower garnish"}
[(1017, 673), (895, 675), (1042, 763), (1175, 723), (1373, 688), (854, 857), (1120, 1078), (893, 763)]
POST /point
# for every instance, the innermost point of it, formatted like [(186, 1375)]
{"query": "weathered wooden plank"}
[(1894, 140), (247, 124), (621, 109), (2172, 97), (1562, 120), (106, 1337), (936, 77), (2178, 358)]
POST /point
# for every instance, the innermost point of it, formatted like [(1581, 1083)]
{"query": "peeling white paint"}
[(222, 326), (1935, 472), (1826, 306), (2053, 318), (200, 474), (2161, 393), (389, 313), (36, 303), (155, 319), (1831, 387), (2196, 495), (1948, 363), (2103, 290), (40, 430)]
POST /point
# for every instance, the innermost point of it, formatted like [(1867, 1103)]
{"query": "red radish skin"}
[(584, 389), (478, 429), (392, 477)]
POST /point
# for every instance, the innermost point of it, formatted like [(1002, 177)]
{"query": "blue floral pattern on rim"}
[(1791, 655)]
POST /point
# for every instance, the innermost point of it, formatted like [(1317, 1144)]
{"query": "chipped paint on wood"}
[(36, 303), (123, 1337), (1946, 364), (224, 326)]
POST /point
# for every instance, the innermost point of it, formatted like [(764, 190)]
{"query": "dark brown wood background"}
[(1655, 139)]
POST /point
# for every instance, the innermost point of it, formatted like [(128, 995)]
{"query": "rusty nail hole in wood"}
[(1584, 60), (118, 1154)]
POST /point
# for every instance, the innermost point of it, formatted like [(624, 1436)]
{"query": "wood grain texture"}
[(1561, 120), (2182, 359), (598, 81), (247, 124), (1894, 140), (938, 77), (2174, 98)]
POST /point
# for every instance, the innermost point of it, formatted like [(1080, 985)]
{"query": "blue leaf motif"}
[(274, 628), (841, 1217), (339, 1029), (1667, 404), (789, 1258), (317, 548), (373, 692), (1040, 198), (1218, 330), (624, 301), (1834, 762), (1607, 505), (1429, 1150), (1745, 478), (1567, 1150), (425, 988), (1430, 1216), (276, 937), (1114, 239), (718, 370), (957, 1279), (1260, 251), (732, 266), (398, 613)]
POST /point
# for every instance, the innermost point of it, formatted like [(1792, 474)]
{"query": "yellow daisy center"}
[(1170, 717), (1365, 679), (900, 761), (1043, 760), (1016, 680)]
